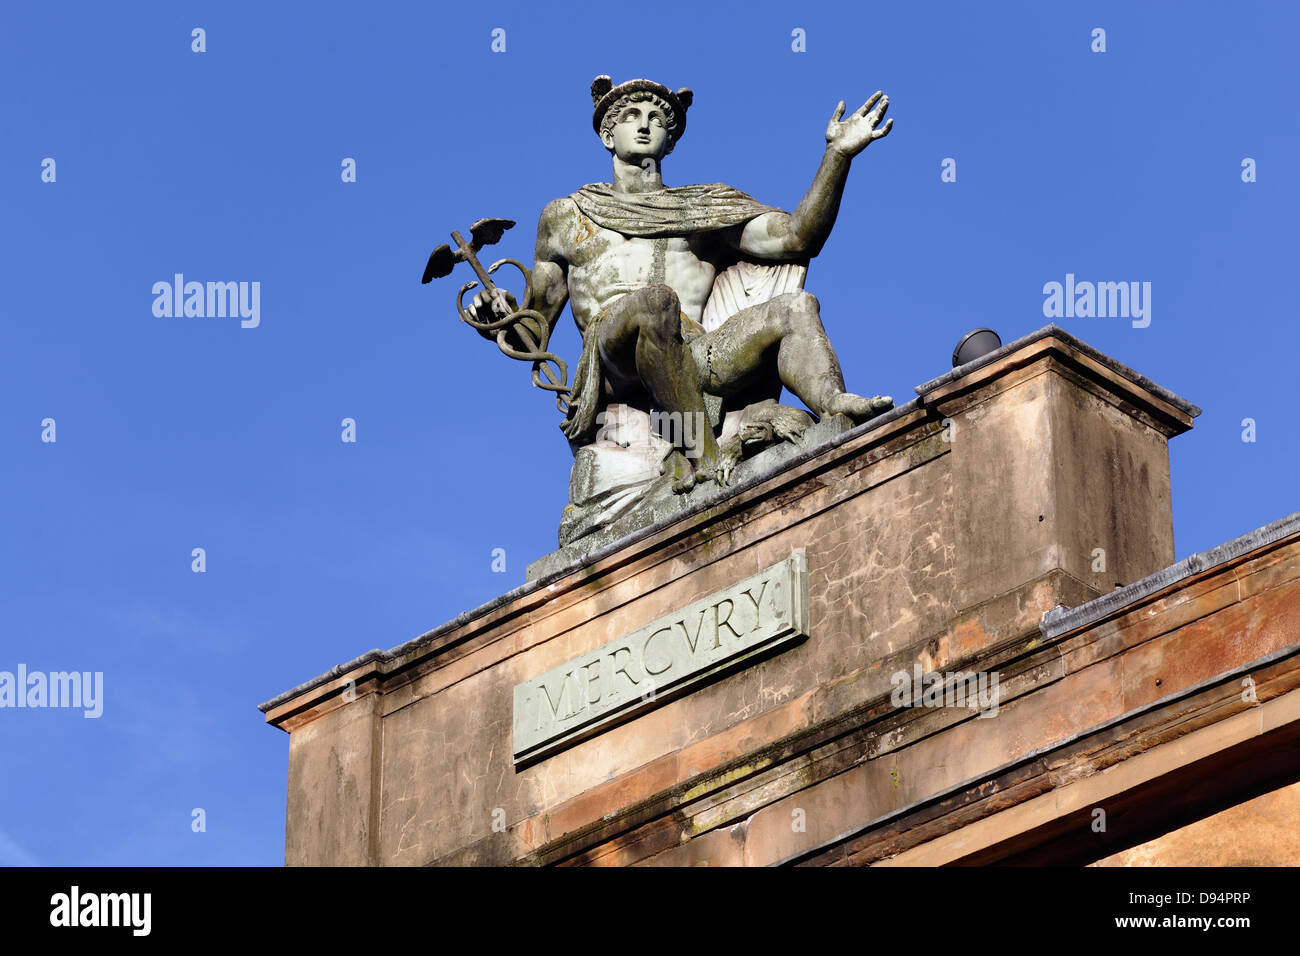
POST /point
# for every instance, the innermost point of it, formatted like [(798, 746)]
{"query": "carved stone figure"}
[(691, 306)]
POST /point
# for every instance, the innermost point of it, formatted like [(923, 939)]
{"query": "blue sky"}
[(179, 433)]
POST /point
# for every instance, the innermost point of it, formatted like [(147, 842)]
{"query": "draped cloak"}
[(675, 212)]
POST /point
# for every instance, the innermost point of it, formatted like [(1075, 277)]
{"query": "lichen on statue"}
[(692, 308)]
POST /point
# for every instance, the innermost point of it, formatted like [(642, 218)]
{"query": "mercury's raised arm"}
[(802, 233)]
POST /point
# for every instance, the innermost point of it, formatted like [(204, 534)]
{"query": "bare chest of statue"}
[(605, 265)]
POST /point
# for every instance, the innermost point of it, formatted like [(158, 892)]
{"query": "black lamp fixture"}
[(975, 344)]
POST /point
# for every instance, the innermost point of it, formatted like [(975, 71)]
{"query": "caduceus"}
[(527, 326)]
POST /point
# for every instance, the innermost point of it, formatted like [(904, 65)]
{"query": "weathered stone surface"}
[(619, 490), (620, 473), (662, 660), (1258, 832), (901, 572), (332, 766), (1096, 748), (724, 847)]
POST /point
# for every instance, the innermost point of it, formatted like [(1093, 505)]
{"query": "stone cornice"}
[(1130, 390)]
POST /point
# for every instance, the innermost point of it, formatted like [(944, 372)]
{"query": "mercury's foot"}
[(857, 407), (683, 475)]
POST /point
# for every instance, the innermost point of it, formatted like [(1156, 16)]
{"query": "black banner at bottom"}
[(340, 905)]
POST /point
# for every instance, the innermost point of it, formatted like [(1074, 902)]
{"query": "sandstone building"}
[(1012, 522)]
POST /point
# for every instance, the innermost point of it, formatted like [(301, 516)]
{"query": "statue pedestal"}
[(935, 539)]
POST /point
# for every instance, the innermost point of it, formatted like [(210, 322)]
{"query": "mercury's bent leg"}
[(805, 359), (643, 339)]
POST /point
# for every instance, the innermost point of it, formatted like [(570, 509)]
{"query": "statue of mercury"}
[(685, 291)]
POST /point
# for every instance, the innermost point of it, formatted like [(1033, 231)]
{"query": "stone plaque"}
[(665, 659)]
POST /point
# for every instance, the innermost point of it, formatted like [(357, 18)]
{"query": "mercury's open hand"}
[(852, 136)]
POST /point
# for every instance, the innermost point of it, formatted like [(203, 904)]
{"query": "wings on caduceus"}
[(527, 326)]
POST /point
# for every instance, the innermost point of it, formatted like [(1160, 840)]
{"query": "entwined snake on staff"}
[(527, 325)]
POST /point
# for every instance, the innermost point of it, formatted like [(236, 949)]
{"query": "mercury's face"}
[(640, 131)]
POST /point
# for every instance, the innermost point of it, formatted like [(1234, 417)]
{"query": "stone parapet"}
[(935, 539)]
